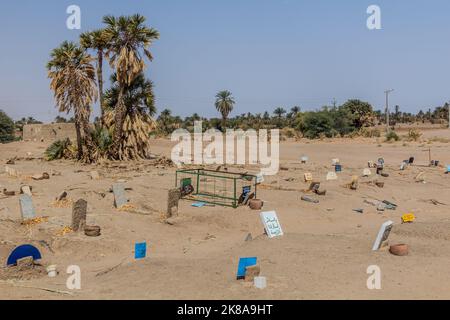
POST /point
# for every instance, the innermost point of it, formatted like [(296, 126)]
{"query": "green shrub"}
[(6, 128), (102, 138), (58, 150), (392, 135), (316, 125)]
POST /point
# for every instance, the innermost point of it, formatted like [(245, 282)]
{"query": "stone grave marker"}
[(259, 178), (26, 207), (173, 198), (308, 176), (119, 195), (26, 190), (271, 224), (367, 172), (332, 176), (383, 235), (79, 211)]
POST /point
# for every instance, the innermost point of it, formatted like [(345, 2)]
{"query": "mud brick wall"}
[(49, 132)]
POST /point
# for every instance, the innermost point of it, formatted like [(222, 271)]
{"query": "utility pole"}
[(387, 109), (448, 107), (334, 102)]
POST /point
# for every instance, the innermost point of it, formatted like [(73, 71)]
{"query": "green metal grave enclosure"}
[(216, 187)]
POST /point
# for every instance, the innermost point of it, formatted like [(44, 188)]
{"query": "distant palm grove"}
[(128, 116)]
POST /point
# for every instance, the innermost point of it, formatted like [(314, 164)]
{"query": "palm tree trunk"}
[(88, 139), (78, 131), (100, 82), (224, 123), (118, 125)]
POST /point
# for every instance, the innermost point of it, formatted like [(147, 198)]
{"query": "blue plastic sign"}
[(23, 251), (246, 190), (448, 168), (140, 250), (243, 264), (338, 168)]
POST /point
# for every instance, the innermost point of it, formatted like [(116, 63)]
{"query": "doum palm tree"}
[(73, 83), (97, 40), (129, 42), (138, 96), (279, 112), (224, 104)]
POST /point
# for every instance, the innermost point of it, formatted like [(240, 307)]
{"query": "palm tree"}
[(138, 95), (165, 119), (97, 40), (73, 83), (295, 110), (130, 40), (224, 104), (139, 100), (279, 112)]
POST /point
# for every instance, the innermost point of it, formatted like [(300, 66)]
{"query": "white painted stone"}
[(271, 224), (383, 235)]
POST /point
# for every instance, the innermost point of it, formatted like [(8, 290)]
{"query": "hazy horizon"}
[(267, 53)]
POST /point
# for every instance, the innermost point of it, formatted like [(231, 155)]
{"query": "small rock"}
[(171, 221), (61, 196), (308, 199), (9, 193), (94, 175), (252, 272), (43, 176), (25, 263)]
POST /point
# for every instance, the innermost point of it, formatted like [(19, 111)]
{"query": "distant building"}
[(49, 132)]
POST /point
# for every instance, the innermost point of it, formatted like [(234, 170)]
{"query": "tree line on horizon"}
[(329, 121)]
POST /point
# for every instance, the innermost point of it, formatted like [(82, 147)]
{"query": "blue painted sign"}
[(140, 250), (243, 264), (23, 251)]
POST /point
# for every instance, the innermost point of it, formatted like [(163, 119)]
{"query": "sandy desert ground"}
[(324, 253)]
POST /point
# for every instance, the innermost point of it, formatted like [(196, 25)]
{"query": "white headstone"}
[(367, 172), (259, 178), (271, 224), (308, 176), (335, 161), (26, 190), (383, 235), (331, 176)]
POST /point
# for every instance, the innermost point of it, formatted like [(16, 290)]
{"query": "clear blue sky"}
[(269, 53)]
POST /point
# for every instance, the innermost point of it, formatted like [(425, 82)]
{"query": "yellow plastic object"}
[(408, 218)]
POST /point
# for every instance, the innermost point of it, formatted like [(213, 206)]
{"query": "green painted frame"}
[(199, 172)]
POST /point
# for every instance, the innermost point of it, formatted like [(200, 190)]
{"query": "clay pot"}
[(92, 231), (256, 204), (399, 250)]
